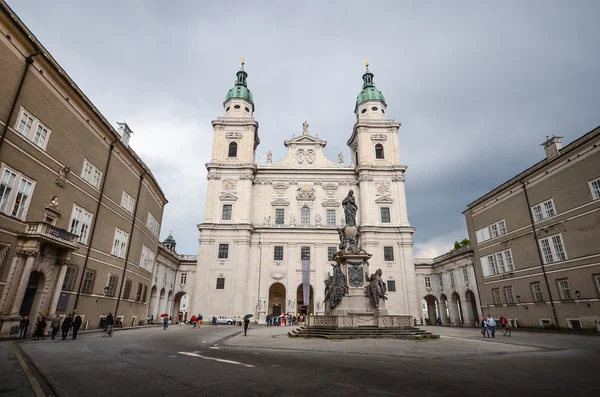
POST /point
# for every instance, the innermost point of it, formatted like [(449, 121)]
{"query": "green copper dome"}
[(369, 92), (169, 239), (240, 90)]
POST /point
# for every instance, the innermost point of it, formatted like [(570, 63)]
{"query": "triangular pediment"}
[(228, 197), (280, 202), (305, 140), (384, 200)]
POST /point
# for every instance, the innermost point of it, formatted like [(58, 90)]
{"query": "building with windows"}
[(448, 288), (80, 212), (262, 221), (535, 239)]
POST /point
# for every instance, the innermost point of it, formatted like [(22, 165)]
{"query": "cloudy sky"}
[(476, 85)]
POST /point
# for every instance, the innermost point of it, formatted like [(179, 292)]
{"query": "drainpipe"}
[(28, 61), (539, 250), (137, 201), (95, 222)]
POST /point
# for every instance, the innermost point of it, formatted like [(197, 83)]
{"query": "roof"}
[(538, 166), (240, 89), (369, 92), (30, 37)]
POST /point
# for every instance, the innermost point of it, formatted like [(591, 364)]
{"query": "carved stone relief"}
[(300, 156), (382, 188), (305, 193), (233, 136), (310, 156), (378, 137)]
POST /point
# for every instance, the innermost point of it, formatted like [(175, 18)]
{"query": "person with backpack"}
[(66, 326)]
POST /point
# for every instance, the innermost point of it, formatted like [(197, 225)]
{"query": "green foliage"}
[(461, 244)]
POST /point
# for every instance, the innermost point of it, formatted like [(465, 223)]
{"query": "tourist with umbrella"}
[(246, 322)]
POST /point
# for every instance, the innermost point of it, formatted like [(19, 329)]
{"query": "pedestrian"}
[(152, 319), (40, 329), (193, 320), (502, 321), (199, 320), (66, 326), (165, 322), (55, 326), (268, 319), (214, 320), (170, 320), (148, 320), (23, 325), (76, 325), (491, 325), (246, 322), (484, 328)]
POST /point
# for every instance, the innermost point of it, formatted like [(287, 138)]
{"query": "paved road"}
[(186, 362)]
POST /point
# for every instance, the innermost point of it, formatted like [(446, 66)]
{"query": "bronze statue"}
[(350, 208), (376, 289), (335, 287)]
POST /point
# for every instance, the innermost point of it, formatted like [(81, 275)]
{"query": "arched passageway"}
[(456, 317), (277, 296), (444, 310), (471, 312), (301, 307), (432, 309), (177, 314), (30, 305), (162, 303), (153, 304)]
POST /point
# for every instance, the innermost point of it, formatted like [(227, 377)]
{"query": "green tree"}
[(461, 244)]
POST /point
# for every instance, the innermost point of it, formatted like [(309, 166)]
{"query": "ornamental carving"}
[(399, 178), (229, 185), (330, 189), (355, 274), (212, 175), (331, 203), (305, 193), (280, 202), (280, 188), (365, 178), (228, 197), (300, 156), (310, 156), (62, 176), (382, 188), (246, 176), (27, 252), (378, 137), (233, 136)]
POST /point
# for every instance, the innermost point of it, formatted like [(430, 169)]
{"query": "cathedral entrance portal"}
[(301, 307), (277, 299)]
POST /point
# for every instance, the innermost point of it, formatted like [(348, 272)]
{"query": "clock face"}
[(229, 185)]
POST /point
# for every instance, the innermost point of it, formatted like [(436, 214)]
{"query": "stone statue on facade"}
[(318, 219), (292, 219), (305, 128), (341, 158), (62, 176), (376, 289), (267, 219), (269, 157)]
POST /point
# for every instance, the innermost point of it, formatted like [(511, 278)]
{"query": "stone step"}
[(360, 333)]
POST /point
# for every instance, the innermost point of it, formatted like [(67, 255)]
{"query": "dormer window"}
[(247, 110), (364, 111), (233, 149), (379, 151), (236, 106)]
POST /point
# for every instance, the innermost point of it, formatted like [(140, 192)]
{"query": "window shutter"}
[(486, 233), (484, 266)]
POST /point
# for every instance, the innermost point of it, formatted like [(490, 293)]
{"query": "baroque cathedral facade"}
[(262, 222)]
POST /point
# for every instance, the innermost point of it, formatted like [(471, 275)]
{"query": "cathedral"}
[(262, 223)]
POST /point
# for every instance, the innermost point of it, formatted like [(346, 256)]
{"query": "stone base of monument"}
[(356, 326)]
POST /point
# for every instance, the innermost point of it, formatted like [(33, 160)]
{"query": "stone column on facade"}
[(444, 311), (22, 286), (58, 287), (11, 282), (468, 315), (453, 309)]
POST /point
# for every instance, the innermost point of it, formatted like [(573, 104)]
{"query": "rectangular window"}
[(21, 200), (25, 124), (305, 253), (427, 282), (278, 253), (41, 135), (112, 284), (305, 216), (152, 224), (120, 243), (226, 214), (223, 251), (491, 265), (33, 130), (220, 283), (553, 249), (91, 174), (441, 281), (497, 298), (498, 228), (279, 216), (144, 293), (88, 281), (543, 210), (138, 293), (183, 280), (388, 254), (127, 289), (81, 221), (465, 274), (70, 279), (391, 285), (500, 262), (536, 290), (331, 252), (452, 282), (494, 229), (147, 259), (595, 189), (127, 202), (508, 262), (564, 289), (7, 184), (385, 215), (331, 218), (483, 234), (508, 292)]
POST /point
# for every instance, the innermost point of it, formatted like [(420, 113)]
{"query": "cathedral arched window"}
[(379, 151), (233, 149), (305, 216)]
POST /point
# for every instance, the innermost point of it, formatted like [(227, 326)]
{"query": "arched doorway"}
[(162, 303), (178, 314), (444, 310), (153, 305), (432, 309), (456, 310), (277, 299), (30, 304), (300, 307), (471, 309)]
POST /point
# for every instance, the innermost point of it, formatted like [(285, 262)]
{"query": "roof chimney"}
[(552, 146), (125, 132)]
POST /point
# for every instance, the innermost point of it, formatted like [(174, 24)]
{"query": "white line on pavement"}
[(213, 347), (216, 359)]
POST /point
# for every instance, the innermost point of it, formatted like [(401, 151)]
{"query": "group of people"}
[(488, 325), (68, 324), (284, 320), (196, 321)]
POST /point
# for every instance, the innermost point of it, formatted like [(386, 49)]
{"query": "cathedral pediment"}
[(330, 203), (280, 202), (228, 197), (384, 200), (305, 140)]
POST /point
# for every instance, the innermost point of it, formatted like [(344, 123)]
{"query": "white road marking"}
[(172, 356), (216, 359), (213, 347), (203, 341)]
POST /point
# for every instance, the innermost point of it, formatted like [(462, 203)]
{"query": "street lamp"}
[(519, 301), (105, 290), (578, 294)]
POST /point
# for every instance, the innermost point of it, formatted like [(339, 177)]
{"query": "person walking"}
[(199, 320), (40, 330), (246, 323), (165, 322), (193, 321), (55, 326), (491, 325), (76, 325), (484, 328), (66, 326), (152, 319), (23, 325), (503, 321)]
